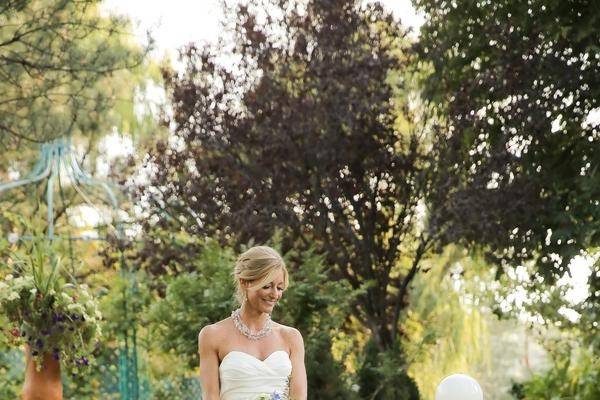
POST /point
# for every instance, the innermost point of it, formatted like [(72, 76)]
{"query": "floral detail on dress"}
[(277, 395), (287, 386), (272, 396)]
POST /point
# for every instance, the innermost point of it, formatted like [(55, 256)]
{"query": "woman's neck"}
[(254, 319)]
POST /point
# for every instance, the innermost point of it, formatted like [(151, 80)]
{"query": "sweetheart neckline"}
[(252, 356)]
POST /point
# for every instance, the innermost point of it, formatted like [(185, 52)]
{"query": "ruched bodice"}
[(245, 377)]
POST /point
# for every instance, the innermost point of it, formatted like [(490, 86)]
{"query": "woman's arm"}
[(209, 364), (298, 385)]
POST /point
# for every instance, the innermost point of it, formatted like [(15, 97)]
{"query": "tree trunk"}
[(44, 384)]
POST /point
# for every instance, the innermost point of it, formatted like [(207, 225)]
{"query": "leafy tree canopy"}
[(518, 84), (57, 58), (304, 137)]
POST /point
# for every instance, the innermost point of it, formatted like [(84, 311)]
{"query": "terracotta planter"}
[(45, 384)]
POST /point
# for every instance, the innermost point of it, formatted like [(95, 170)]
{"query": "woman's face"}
[(265, 297)]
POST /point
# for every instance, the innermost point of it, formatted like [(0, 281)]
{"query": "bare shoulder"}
[(210, 334), (291, 335)]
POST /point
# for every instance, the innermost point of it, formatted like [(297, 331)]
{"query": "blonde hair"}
[(258, 265)]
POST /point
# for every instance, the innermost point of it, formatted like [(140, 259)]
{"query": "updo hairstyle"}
[(258, 265)]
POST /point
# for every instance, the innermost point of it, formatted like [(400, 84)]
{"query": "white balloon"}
[(458, 387)]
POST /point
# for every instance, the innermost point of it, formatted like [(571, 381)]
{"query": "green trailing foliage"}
[(445, 330)]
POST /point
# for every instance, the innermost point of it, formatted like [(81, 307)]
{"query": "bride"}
[(248, 356)]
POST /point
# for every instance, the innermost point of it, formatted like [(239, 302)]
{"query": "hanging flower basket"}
[(56, 322)]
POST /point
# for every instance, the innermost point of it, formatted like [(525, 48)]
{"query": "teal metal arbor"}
[(56, 161)]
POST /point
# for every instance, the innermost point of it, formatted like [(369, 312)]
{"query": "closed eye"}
[(280, 289)]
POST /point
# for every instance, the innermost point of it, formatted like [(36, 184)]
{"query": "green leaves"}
[(56, 58), (573, 375), (45, 313), (520, 65), (194, 299)]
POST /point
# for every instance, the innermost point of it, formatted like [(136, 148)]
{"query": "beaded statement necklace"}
[(245, 330)]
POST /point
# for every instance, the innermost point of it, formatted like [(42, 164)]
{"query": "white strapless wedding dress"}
[(245, 377)]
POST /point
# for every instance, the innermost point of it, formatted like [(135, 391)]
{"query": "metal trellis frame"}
[(56, 158)]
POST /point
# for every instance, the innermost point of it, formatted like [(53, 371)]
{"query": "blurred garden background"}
[(428, 169)]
